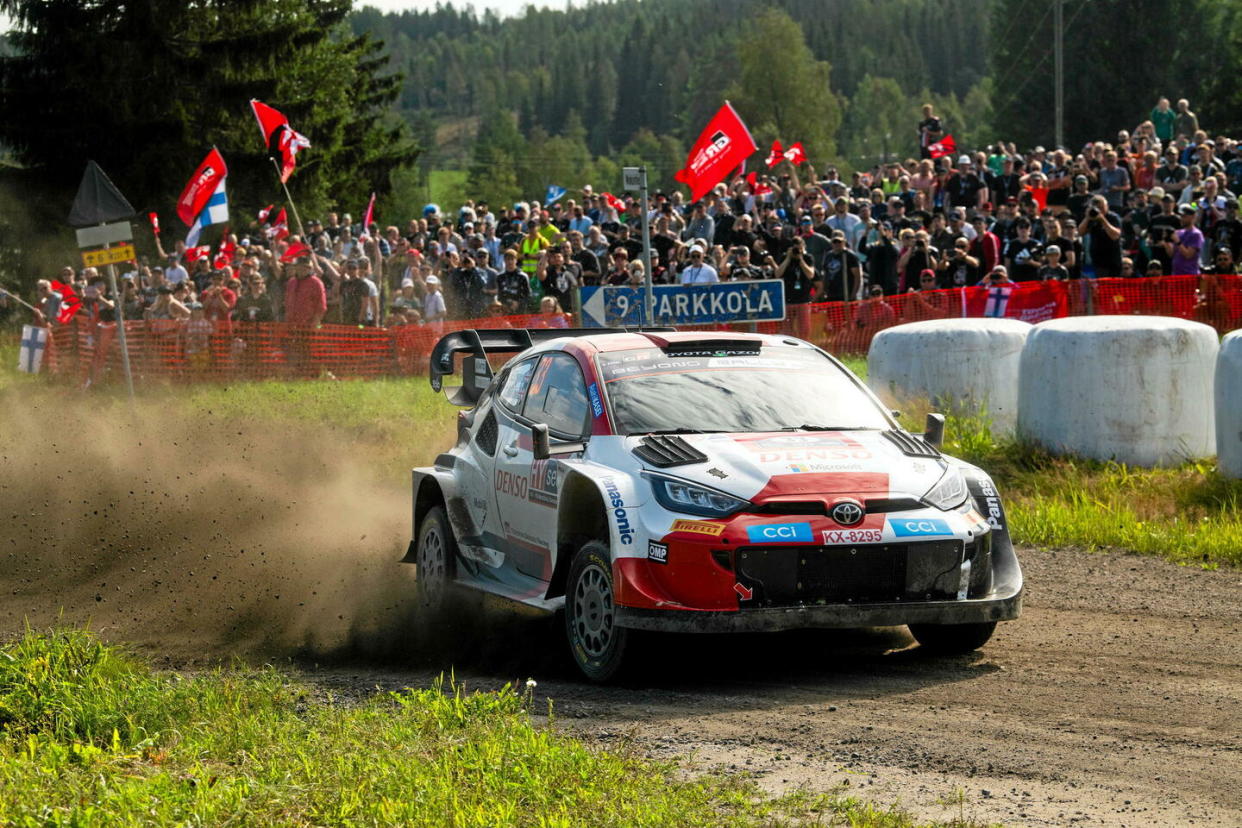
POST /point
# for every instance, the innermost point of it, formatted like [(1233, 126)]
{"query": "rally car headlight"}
[(949, 492), (680, 496)]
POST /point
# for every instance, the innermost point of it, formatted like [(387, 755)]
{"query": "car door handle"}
[(511, 450)]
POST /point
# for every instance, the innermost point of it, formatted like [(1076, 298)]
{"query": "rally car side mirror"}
[(933, 431), (541, 447)]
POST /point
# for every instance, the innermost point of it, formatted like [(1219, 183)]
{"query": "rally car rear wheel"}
[(595, 641), (952, 639), (433, 561)]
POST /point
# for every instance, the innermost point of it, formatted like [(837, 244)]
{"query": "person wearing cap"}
[(964, 188), (1171, 174), (1228, 230), (697, 269), (958, 268), (1101, 232), (1187, 243), (846, 223), (434, 309), (618, 267), (1052, 269), (842, 271)]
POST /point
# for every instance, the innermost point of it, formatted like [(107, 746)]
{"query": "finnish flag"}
[(216, 212), (34, 343)]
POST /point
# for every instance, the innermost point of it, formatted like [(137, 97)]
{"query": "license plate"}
[(834, 536)]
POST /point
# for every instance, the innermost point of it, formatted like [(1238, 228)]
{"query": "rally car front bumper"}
[(994, 607)]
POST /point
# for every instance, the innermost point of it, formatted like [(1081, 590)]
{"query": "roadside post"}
[(100, 213), (635, 178)]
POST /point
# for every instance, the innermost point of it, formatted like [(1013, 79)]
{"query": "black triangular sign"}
[(98, 200)]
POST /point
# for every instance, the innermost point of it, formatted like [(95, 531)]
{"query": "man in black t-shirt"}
[(1102, 231), (1023, 254), (842, 271), (930, 131)]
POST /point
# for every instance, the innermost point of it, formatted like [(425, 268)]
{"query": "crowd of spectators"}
[(1159, 199)]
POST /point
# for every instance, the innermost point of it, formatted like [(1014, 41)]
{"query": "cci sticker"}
[(657, 552), (780, 533), (597, 406), (926, 526), (701, 527)]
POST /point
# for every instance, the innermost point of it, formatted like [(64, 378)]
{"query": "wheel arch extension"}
[(581, 518)]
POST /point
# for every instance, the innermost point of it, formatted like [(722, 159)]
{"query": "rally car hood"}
[(801, 465)]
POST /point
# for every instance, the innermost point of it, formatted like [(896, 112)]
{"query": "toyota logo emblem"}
[(847, 512)]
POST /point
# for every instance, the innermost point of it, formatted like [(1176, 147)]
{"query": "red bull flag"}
[(721, 147), (201, 187)]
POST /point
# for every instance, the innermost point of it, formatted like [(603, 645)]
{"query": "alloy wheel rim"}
[(594, 617)]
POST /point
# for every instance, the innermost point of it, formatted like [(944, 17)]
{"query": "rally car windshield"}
[(769, 389)]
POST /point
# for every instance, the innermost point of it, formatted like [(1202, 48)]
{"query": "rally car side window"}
[(516, 383), (557, 396)]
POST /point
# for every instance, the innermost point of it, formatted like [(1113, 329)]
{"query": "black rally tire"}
[(952, 639), (435, 562), (596, 643)]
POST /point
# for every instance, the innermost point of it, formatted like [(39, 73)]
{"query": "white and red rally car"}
[(701, 482)]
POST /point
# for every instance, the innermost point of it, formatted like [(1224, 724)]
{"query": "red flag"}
[(202, 184), (295, 251), (1026, 301), (282, 142), (795, 154), (720, 147), (70, 304), (155, 222), (280, 227), (756, 187), (265, 212), (369, 215), (776, 156), (945, 146), (193, 254), (224, 255), (614, 202)]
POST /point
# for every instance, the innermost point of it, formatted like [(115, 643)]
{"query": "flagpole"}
[(289, 198), (5, 294)]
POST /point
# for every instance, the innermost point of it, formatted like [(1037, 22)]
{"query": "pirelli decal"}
[(699, 527)]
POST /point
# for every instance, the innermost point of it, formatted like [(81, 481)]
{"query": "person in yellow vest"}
[(533, 244)]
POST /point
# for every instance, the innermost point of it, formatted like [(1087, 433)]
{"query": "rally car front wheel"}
[(433, 561), (595, 641), (952, 639)]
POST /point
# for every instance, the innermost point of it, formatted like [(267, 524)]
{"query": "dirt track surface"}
[(1115, 700)]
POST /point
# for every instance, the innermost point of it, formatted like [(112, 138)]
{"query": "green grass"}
[(92, 737)]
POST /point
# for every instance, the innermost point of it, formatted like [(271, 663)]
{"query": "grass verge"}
[(92, 737)]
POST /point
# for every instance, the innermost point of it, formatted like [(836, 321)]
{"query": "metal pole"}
[(647, 266), (289, 198), (118, 309), (1058, 48)]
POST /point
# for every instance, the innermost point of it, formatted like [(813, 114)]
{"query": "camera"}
[(1094, 213)]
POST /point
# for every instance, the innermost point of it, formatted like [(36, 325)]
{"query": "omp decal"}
[(657, 552), (834, 536), (544, 482), (701, 527), (597, 405), (620, 517), (780, 533), (992, 499), (744, 592), (511, 484), (910, 527)]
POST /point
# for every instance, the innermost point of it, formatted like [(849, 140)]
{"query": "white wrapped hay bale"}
[(1136, 389), (960, 364), (1229, 405)]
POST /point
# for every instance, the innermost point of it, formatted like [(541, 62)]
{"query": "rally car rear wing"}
[(479, 342)]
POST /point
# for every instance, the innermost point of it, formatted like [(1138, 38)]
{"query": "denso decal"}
[(657, 552), (701, 527), (910, 527), (796, 456), (511, 484), (618, 511), (807, 468), (544, 476), (780, 533), (780, 441), (993, 501), (597, 405)]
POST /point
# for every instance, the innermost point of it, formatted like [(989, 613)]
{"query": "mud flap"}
[(410, 553)]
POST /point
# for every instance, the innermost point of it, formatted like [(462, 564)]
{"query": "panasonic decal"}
[(618, 511)]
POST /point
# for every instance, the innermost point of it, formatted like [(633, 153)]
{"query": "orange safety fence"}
[(191, 351)]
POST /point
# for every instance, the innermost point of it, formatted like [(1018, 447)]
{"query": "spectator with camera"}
[(1101, 229)]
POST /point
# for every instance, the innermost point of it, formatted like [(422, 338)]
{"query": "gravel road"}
[(1115, 700)]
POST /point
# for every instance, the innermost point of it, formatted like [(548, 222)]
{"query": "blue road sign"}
[(606, 306)]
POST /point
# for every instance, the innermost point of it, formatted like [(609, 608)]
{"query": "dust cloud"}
[(199, 538)]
